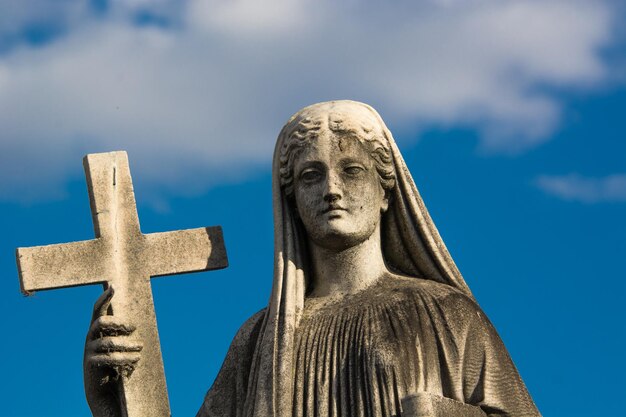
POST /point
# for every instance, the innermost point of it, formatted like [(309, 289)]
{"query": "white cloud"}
[(16, 14), (574, 187), (210, 94), (251, 17)]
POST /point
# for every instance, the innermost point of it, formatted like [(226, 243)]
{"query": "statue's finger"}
[(103, 302), (114, 359), (113, 344), (109, 326)]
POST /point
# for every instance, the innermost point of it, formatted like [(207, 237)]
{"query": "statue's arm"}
[(489, 377), (227, 395)]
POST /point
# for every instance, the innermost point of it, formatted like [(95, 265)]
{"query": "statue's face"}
[(338, 192)]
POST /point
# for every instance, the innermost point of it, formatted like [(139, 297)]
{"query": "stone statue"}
[(368, 315)]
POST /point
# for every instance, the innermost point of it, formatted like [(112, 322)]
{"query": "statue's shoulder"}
[(446, 305), (250, 329), (432, 291)]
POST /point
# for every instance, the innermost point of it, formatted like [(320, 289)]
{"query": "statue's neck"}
[(348, 271)]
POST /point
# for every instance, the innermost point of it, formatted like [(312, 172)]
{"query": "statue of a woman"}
[(367, 305)]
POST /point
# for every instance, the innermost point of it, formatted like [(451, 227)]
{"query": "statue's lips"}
[(330, 209)]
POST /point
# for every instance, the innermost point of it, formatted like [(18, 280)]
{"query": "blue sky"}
[(510, 115)]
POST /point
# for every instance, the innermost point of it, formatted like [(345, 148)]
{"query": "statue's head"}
[(344, 118), (337, 170)]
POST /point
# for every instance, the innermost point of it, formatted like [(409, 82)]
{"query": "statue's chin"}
[(338, 236)]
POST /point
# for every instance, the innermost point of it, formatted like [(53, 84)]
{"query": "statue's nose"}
[(333, 190)]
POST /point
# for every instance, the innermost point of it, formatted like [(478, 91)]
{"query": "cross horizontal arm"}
[(183, 251), (62, 265)]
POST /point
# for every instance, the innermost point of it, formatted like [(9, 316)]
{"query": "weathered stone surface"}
[(124, 258)]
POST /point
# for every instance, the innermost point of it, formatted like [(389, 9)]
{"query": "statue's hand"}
[(424, 404), (109, 356)]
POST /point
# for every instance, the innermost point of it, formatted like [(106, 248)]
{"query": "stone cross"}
[(123, 257)]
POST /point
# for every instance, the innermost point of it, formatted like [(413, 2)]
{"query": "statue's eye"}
[(310, 175), (353, 169)]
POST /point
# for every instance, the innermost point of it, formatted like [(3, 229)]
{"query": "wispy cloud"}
[(213, 86), (574, 187)]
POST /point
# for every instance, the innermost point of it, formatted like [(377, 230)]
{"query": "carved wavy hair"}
[(301, 132)]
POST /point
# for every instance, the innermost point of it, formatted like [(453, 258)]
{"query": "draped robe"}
[(362, 355)]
